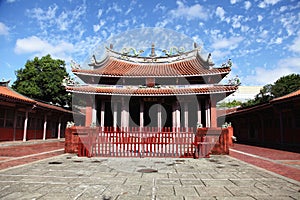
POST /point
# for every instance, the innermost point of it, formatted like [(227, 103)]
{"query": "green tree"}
[(230, 104), (286, 85), (41, 79)]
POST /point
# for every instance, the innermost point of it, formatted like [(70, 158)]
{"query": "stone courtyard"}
[(70, 177)]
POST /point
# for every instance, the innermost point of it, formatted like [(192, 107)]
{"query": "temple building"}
[(166, 88)]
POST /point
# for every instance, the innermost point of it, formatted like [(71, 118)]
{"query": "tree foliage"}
[(41, 79), (230, 104), (286, 85), (281, 87)]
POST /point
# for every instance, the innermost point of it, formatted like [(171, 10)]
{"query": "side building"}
[(22, 118), (274, 124)]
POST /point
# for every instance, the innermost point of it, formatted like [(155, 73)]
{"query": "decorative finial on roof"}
[(209, 58), (195, 45), (4, 82), (74, 65), (111, 46), (153, 50)]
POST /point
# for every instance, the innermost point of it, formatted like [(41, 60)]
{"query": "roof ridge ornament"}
[(94, 60), (127, 51), (75, 65), (228, 64), (153, 54), (4, 82), (174, 51)]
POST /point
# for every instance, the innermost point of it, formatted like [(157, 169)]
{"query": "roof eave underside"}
[(154, 93), (152, 76)]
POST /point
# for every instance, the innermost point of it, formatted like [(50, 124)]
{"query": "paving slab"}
[(68, 176)]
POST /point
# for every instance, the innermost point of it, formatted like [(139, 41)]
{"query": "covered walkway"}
[(280, 162), (18, 153)]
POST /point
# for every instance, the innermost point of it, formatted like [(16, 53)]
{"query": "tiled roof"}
[(293, 94), (152, 91), (10, 94), (114, 67), (52, 107)]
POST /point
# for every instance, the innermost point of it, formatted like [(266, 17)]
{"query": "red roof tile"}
[(10, 94), (114, 67), (152, 91), (296, 93)]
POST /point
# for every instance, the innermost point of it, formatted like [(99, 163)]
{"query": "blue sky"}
[(262, 37)]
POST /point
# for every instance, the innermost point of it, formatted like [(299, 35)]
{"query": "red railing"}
[(149, 142)]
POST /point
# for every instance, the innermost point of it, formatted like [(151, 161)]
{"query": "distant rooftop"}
[(243, 93)]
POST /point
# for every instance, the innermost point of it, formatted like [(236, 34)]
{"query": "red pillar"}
[(88, 112), (213, 112)]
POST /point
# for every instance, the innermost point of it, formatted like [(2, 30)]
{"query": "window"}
[(252, 132), (297, 118), (10, 114), (20, 120), (2, 117)]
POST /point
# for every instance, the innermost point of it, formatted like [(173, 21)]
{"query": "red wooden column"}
[(88, 112), (213, 112), (45, 127), (207, 113), (141, 114), (102, 114), (25, 125)]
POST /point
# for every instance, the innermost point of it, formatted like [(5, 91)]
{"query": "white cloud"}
[(193, 12), (162, 24), (128, 11), (259, 18), (272, 2), (247, 5), (263, 76), (99, 13), (283, 8), (224, 43), (220, 12), (234, 1), (98, 26), (278, 40), (43, 15), (295, 47), (115, 8), (50, 17), (220, 55), (266, 3), (159, 7), (10, 1), (38, 47), (3, 29), (245, 28), (236, 21)]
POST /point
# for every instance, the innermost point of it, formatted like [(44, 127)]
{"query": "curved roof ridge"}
[(110, 53)]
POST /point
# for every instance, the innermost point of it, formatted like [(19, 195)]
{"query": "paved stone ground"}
[(70, 177)]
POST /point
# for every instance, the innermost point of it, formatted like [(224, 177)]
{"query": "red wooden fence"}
[(147, 142)]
